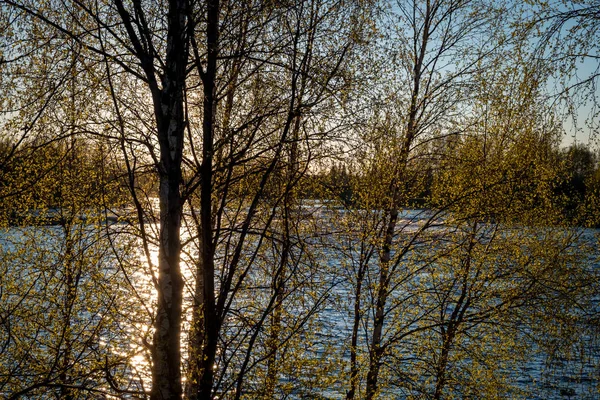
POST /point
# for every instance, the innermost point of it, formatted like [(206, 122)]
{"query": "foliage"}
[(301, 199)]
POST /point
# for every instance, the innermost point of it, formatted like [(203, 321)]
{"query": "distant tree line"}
[(575, 190), (40, 179)]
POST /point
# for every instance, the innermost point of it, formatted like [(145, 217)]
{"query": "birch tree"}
[(204, 95), (430, 45)]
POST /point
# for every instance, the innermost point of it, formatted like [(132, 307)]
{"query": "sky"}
[(583, 35)]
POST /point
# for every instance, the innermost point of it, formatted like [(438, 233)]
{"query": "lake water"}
[(323, 294)]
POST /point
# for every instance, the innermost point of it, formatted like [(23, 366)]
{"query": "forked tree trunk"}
[(279, 277), (376, 351)]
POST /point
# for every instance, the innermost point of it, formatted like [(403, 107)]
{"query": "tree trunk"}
[(196, 336), (456, 318), (70, 297), (355, 328), (440, 373), (166, 355), (212, 323), (168, 105), (376, 351)]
